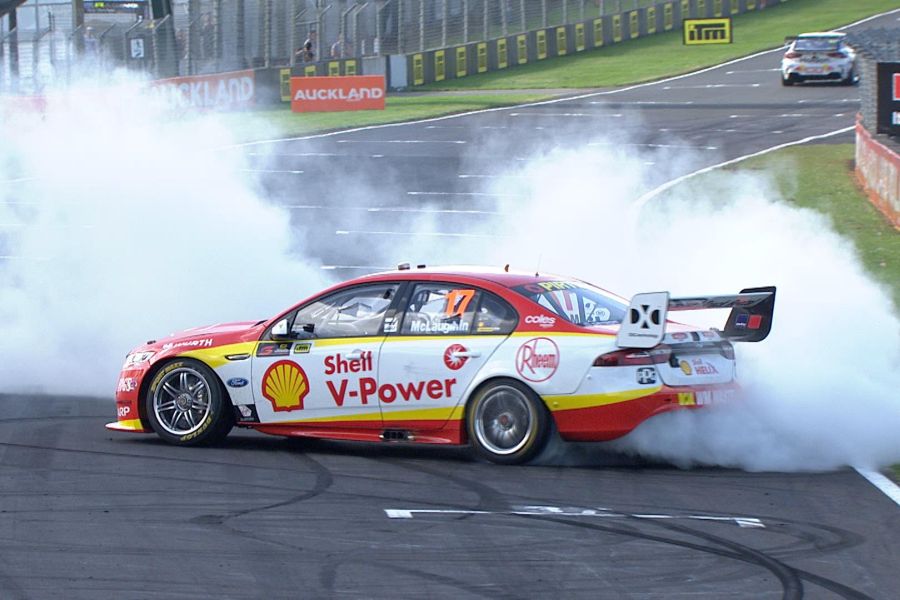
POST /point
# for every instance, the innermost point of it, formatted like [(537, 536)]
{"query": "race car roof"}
[(821, 34), (498, 275)]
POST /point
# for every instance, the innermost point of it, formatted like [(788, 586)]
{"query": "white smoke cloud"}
[(819, 393), (127, 228)]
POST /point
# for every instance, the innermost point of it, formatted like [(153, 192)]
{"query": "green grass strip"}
[(272, 123), (661, 55), (821, 177)]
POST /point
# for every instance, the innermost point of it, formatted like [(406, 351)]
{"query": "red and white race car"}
[(442, 356)]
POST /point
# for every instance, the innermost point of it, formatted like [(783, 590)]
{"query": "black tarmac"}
[(86, 513)]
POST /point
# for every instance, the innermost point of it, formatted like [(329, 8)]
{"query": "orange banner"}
[(232, 90), (325, 94)]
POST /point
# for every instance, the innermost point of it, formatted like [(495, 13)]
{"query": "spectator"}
[(307, 52), (337, 48)]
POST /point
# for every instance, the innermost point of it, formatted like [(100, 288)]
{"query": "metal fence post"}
[(266, 34), (504, 18), (543, 13), (444, 16), (486, 19), (421, 25), (465, 21)]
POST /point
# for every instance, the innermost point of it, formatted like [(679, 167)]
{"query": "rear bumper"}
[(819, 72), (603, 417)]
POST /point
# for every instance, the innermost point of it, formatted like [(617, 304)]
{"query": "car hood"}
[(208, 336)]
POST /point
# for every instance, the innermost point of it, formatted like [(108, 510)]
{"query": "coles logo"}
[(285, 385), (537, 359), (455, 363), (542, 320)]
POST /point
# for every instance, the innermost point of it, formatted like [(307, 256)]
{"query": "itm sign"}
[(889, 98)]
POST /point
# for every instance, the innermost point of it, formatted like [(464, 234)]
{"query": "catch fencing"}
[(212, 36), (878, 125)]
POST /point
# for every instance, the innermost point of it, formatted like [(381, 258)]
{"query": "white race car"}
[(822, 56)]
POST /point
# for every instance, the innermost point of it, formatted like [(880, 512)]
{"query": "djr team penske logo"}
[(537, 359), (285, 385)]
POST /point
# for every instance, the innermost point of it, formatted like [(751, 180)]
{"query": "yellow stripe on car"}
[(572, 401)]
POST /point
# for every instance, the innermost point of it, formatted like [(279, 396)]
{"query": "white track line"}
[(640, 202), (545, 102), (890, 489)]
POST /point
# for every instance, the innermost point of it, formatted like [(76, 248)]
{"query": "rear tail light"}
[(727, 350), (626, 358), (837, 55), (792, 54)]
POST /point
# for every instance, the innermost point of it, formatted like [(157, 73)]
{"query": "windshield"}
[(575, 301)]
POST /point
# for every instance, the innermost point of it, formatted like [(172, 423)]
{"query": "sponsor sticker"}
[(302, 347), (537, 359), (646, 376), (123, 411), (237, 382), (285, 385), (741, 321), (685, 367), (273, 349), (127, 384), (754, 322), (542, 320), (205, 343), (454, 363), (679, 336)]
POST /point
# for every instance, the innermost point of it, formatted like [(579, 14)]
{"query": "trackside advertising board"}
[(233, 90), (326, 94), (889, 98)]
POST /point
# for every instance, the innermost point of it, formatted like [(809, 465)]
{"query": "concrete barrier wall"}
[(519, 49), (878, 170)]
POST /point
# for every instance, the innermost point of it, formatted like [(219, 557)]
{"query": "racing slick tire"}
[(186, 405), (507, 423), (850, 79), (786, 81)]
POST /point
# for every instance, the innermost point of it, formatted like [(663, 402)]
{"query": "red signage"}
[(325, 94), (897, 86), (236, 89)]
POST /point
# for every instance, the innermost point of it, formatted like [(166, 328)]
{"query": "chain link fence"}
[(210, 36)]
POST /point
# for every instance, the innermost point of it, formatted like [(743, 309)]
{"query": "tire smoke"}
[(119, 224), (819, 393)]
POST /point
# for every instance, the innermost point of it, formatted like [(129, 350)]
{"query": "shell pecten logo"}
[(285, 385)]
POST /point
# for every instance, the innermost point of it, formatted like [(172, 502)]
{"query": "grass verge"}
[(821, 177), (281, 122), (662, 55)]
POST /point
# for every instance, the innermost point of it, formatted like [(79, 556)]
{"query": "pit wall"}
[(878, 171)]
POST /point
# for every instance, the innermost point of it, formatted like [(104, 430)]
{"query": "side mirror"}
[(280, 330)]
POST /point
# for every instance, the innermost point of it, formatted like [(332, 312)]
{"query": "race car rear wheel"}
[(186, 406), (507, 423)]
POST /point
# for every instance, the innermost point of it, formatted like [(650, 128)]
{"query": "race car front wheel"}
[(186, 406), (507, 423)]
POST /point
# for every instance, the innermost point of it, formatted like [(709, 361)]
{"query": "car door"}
[(435, 348), (319, 364)]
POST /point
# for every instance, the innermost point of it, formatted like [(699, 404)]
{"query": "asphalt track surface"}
[(87, 513)]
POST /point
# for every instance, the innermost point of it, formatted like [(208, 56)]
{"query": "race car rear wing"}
[(750, 319)]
